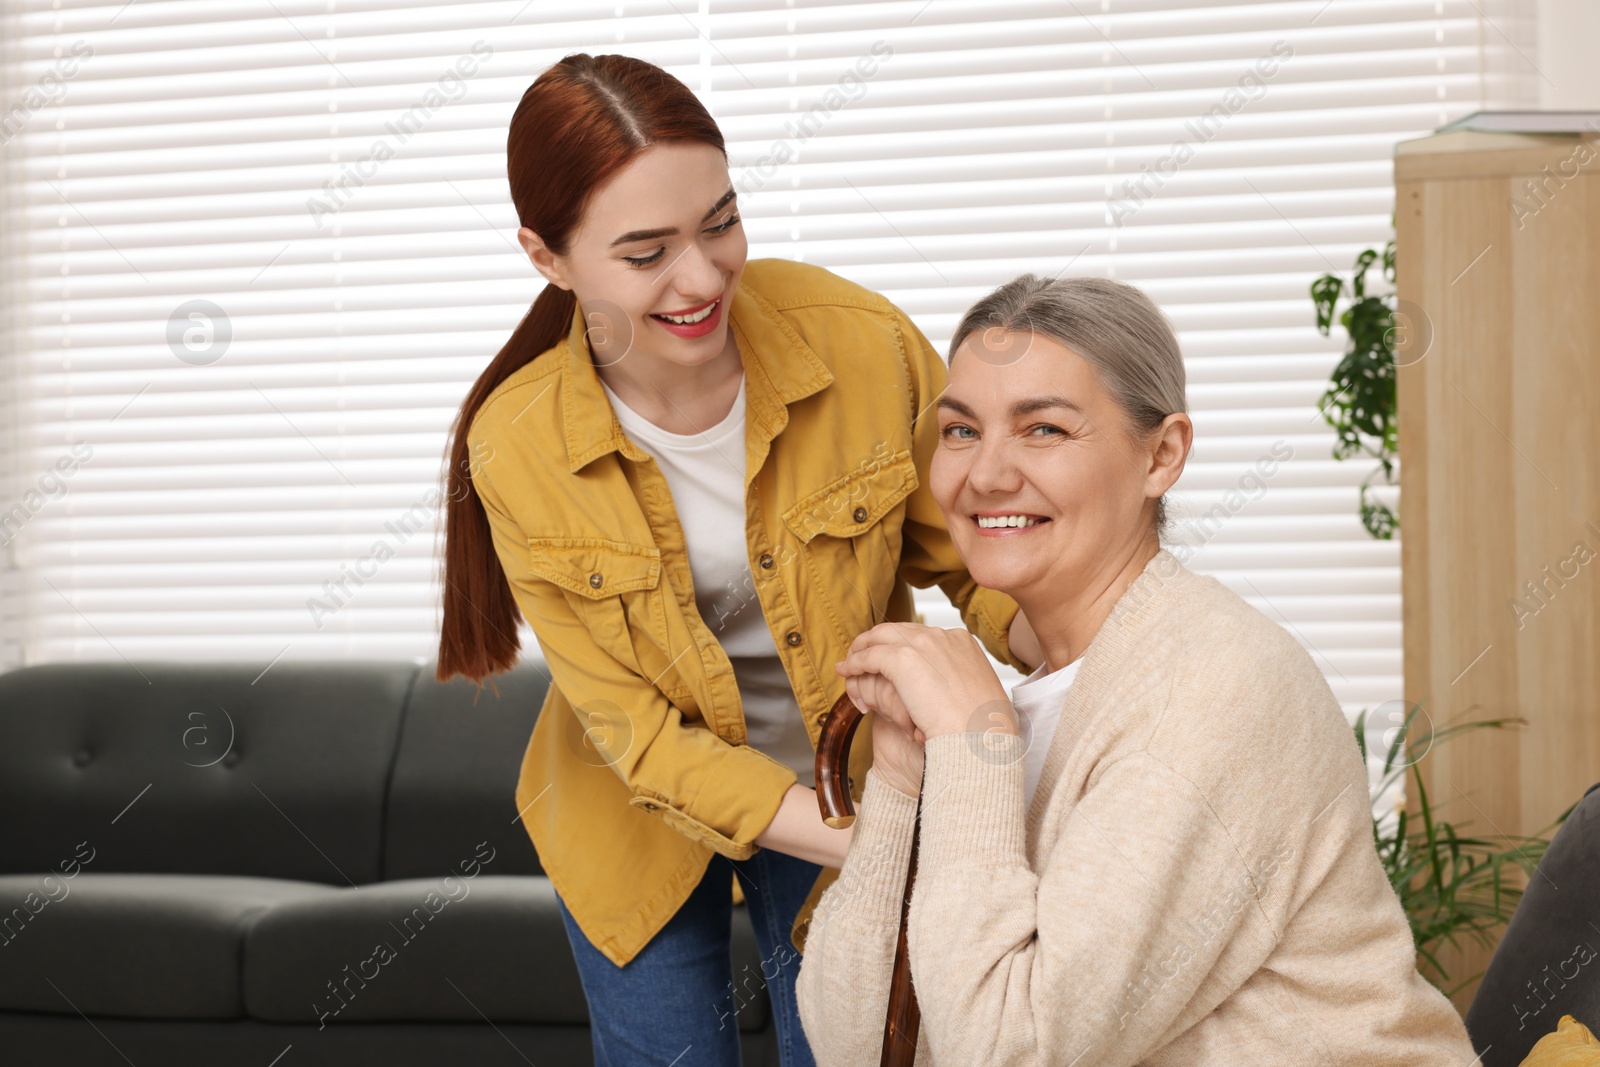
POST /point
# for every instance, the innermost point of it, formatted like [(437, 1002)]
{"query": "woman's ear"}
[(543, 260), (1169, 451)]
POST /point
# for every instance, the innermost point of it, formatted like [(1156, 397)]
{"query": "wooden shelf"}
[(1498, 261)]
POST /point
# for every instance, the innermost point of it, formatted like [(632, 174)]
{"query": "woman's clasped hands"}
[(923, 682)]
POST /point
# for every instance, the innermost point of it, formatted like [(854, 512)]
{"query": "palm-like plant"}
[(1448, 883)]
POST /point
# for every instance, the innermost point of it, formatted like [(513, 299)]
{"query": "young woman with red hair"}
[(698, 480)]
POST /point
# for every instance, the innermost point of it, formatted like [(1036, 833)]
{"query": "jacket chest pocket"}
[(614, 588), (851, 531)]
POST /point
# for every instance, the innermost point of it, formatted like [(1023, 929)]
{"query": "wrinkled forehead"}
[(998, 360), (1037, 388)]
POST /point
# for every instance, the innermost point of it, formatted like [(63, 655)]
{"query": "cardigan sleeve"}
[(1097, 958), (842, 989)]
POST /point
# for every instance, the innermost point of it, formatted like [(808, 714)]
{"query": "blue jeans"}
[(675, 1003)]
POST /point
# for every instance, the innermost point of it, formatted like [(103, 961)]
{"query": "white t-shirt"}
[(705, 473), (1039, 699)]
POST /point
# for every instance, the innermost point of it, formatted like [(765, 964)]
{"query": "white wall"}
[(1569, 55)]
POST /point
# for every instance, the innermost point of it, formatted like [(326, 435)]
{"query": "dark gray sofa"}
[(1547, 963), (317, 864)]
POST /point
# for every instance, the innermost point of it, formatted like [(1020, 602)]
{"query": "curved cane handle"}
[(833, 763), (904, 1016)]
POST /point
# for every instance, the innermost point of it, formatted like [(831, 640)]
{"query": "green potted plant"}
[(1449, 884), (1360, 399)]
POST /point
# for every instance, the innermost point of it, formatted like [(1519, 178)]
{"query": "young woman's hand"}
[(926, 679)]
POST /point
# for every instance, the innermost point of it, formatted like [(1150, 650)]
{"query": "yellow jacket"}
[(638, 767)]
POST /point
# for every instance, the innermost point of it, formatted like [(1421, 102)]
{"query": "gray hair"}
[(1115, 327)]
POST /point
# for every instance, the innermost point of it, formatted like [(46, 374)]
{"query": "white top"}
[(1039, 699), (705, 474)]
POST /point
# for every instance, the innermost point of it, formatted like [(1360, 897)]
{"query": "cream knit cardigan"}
[(1195, 882)]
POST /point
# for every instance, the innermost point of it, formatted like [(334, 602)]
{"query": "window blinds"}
[(254, 255)]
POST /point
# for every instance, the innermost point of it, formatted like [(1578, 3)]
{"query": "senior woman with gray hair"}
[(1160, 854)]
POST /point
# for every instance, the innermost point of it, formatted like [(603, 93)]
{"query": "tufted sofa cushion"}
[(193, 769)]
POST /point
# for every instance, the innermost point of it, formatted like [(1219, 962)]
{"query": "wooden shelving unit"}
[(1498, 276)]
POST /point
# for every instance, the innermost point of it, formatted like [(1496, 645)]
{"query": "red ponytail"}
[(578, 124)]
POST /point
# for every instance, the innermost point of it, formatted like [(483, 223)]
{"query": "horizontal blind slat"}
[(208, 150)]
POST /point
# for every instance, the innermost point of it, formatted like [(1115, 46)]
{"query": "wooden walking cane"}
[(833, 796)]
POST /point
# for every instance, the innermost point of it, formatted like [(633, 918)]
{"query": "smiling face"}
[(1043, 482), (657, 257)]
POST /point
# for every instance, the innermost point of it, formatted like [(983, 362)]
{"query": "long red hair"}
[(577, 125)]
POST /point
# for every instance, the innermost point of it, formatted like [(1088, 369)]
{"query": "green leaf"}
[(1358, 278), (1325, 292)]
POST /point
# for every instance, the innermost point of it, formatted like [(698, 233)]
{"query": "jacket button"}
[(860, 515), (793, 638), (766, 560), (595, 579)]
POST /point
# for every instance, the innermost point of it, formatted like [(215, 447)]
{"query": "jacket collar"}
[(779, 368)]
